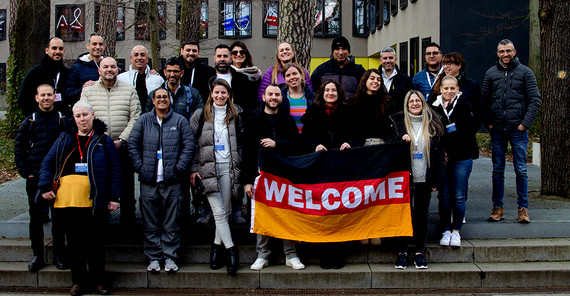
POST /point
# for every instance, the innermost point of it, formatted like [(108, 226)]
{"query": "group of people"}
[(200, 125)]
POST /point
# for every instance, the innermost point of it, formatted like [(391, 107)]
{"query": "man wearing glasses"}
[(425, 79), (512, 100)]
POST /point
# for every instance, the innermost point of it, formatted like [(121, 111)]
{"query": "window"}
[(121, 65), (403, 4), (120, 21), (379, 17), (203, 19), (70, 22), (3, 76), (386, 12), (327, 18), (141, 18), (403, 67), (364, 17), (270, 18), (394, 7), (414, 56), (2, 24), (425, 42), (235, 18)]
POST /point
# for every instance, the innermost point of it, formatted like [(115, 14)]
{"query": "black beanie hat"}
[(340, 41)]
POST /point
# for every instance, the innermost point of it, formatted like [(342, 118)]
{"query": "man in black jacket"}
[(33, 141), (197, 74), (397, 83), (512, 100), (271, 129), (52, 71)]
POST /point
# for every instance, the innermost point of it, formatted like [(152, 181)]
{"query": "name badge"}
[(219, 147), (158, 154), (417, 155), (80, 167), (450, 127), (58, 97)]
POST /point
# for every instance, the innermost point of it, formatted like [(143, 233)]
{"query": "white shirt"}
[(388, 80), (159, 165), (226, 77), (221, 134)]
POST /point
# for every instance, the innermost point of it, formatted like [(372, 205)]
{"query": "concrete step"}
[(352, 276), (472, 251)]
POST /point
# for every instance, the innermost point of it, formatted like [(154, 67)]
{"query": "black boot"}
[(216, 257), (233, 264), (36, 264), (59, 262)]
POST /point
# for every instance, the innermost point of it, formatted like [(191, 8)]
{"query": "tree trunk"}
[(190, 13), (296, 26), (108, 25), (154, 29), (29, 33), (555, 115)]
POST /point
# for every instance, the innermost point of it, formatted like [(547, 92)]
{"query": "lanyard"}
[(192, 78), (417, 136), (429, 79), (452, 108), (79, 144), (55, 81)]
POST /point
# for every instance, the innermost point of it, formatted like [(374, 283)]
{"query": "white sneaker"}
[(170, 266), (154, 266), (455, 240), (445, 240), (295, 263), (259, 264)]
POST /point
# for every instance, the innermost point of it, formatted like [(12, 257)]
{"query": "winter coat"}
[(185, 101), (118, 107), (152, 81), (369, 118), (279, 127), (395, 129), (44, 73), (103, 165), (34, 139), (266, 80), (243, 91), (460, 144), (205, 159), (82, 71), (421, 82), (176, 139), (348, 76), (401, 85), (285, 105), (202, 75), (330, 131), (510, 96)]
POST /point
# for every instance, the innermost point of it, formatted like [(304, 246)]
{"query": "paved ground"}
[(550, 217)]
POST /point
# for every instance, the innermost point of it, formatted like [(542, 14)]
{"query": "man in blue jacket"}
[(85, 71), (512, 100), (161, 147), (425, 79)]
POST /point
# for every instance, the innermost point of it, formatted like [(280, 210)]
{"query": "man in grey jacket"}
[(161, 147), (511, 103)]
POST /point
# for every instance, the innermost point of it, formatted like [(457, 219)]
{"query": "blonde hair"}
[(431, 125), (231, 112), (278, 65)]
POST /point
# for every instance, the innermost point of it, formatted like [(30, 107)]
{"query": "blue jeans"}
[(454, 191), (519, 145)]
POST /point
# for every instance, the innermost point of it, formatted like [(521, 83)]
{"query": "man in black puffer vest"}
[(33, 141)]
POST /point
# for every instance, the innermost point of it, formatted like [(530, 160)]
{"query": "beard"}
[(222, 67)]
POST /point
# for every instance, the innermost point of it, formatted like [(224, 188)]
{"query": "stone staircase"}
[(493, 263)]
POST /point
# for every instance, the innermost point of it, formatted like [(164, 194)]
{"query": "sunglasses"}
[(235, 52)]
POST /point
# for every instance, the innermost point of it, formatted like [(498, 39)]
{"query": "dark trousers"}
[(421, 195), (36, 211), (84, 232), (128, 201)]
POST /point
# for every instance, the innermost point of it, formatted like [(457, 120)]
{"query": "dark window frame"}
[(328, 34), (423, 45), (203, 22), (3, 76), (235, 30), (139, 34), (3, 27), (67, 20), (120, 21), (415, 52), (403, 4), (265, 26), (364, 6), (403, 53), (386, 12), (394, 5)]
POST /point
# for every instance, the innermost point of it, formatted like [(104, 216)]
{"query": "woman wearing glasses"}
[(243, 62)]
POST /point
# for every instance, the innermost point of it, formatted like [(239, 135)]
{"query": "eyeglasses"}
[(432, 53), (505, 51), (449, 64), (235, 52), (159, 97)]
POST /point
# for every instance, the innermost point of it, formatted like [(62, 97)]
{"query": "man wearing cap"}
[(340, 67)]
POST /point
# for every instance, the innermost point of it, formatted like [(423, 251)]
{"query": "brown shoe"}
[(523, 216), (76, 290), (497, 215)]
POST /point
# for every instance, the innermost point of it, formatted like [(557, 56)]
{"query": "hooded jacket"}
[(49, 72), (174, 137), (103, 165), (82, 71), (348, 76), (185, 101), (510, 96)]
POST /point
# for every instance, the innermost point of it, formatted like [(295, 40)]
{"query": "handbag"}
[(55, 183)]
